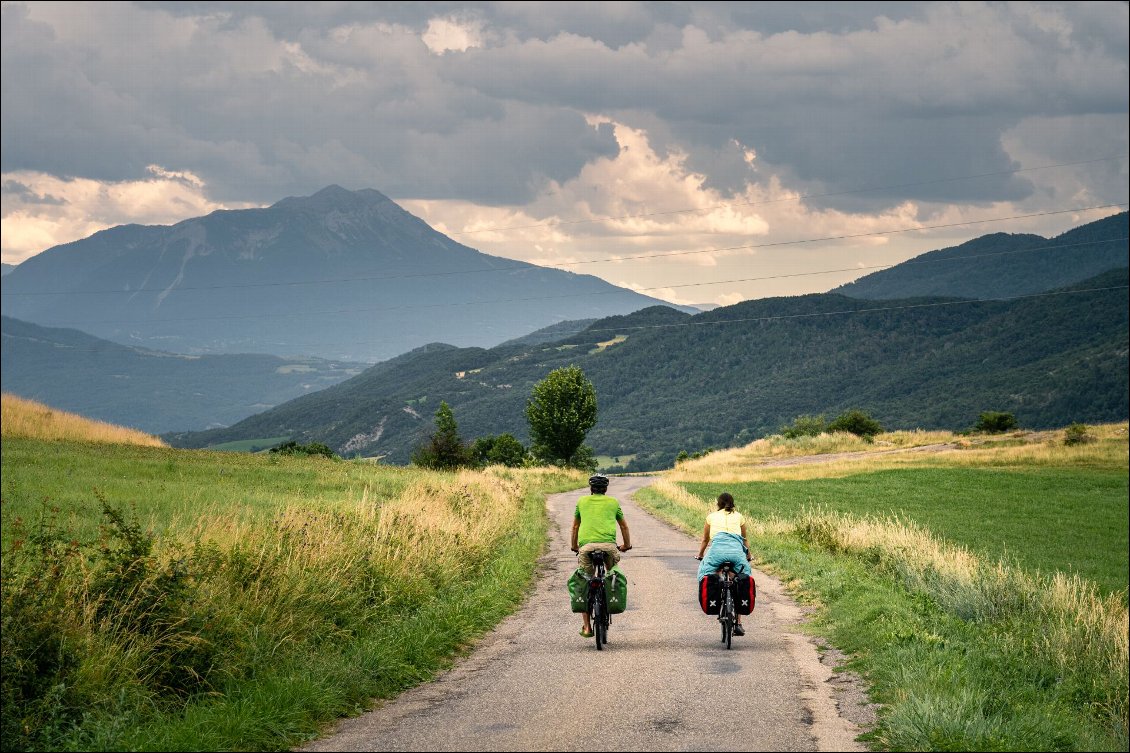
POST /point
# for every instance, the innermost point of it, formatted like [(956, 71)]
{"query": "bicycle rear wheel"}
[(598, 623), (728, 621)]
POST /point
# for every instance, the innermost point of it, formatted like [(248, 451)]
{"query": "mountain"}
[(5, 269), (340, 274), (150, 390), (668, 381), (1003, 265)]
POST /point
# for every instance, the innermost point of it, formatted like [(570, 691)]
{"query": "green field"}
[(608, 461), (160, 599), (249, 445), (171, 490), (1072, 520)]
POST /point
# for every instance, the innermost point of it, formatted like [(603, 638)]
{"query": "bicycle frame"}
[(727, 614), (599, 617)]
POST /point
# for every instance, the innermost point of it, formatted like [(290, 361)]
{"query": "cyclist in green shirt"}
[(594, 527)]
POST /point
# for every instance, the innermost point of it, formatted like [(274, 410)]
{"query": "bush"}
[(1077, 434), (805, 426), (995, 422), (314, 448), (505, 449), (858, 423)]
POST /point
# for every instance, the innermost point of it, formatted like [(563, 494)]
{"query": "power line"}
[(851, 311), (780, 317), (531, 267), (803, 197), (617, 291)]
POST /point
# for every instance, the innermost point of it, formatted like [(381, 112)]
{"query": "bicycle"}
[(727, 613), (727, 609), (599, 616)]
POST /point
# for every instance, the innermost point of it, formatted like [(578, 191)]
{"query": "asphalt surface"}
[(664, 681)]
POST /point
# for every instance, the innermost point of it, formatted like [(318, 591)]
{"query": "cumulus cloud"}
[(41, 211), (576, 131)]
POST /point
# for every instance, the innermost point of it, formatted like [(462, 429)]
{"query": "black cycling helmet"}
[(598, 481)]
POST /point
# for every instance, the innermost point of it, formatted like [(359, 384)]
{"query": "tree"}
[(560, 411), (444, 449), (856, 422)]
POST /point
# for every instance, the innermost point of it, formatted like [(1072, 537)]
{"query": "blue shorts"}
[(724, 547)]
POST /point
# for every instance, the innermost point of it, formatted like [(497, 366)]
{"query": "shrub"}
[(505, 449), (1077, 434), (314, 448), (805, 426), (995, 422), (856, 422)]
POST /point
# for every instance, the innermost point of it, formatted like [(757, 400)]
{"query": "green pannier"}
[(615, 586)]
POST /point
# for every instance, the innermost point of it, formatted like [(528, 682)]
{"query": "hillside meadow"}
[(161, 599), (978, 582)]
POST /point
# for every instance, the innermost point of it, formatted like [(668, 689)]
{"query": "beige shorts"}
[(610, 559)]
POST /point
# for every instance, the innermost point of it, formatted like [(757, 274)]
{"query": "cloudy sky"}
[(703, 152)]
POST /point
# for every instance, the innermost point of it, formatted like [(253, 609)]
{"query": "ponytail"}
[(726, 502)]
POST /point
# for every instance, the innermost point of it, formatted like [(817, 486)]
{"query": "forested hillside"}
[(1003, 264), (668, 381)]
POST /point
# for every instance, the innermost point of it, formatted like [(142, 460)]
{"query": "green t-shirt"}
[(598, 515)]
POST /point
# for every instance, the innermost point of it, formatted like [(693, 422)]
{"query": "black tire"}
[(728, 620), (597, 620)]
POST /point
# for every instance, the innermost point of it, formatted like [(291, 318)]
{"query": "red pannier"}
[(710, 594), (745, 594)]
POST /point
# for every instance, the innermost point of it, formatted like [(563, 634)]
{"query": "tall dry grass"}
[(32, 420), (145, 623), (836, 455), (1078, 630)]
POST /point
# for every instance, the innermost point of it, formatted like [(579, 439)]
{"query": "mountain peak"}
[(334, 197)]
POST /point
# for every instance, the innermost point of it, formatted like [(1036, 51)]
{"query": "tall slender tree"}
[(560, 412)]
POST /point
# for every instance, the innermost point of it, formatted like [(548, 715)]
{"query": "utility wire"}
[(617, 291), (715, 322), (531, 267)]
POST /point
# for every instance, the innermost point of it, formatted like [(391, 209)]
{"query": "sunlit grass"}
[(778, 459), (242, 588), (32, 420)]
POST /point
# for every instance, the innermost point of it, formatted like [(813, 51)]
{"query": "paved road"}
[(664, 682)]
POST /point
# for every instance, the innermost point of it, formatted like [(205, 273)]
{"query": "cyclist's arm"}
[(573, 539), (748, 556), (626, 536), (705, 541)]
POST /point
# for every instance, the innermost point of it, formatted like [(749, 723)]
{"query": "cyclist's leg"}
[(584, 557)]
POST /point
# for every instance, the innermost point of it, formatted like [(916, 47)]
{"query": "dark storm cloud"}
[(264, 100)]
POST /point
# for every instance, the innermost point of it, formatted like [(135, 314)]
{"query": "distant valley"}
[(152, 390)]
